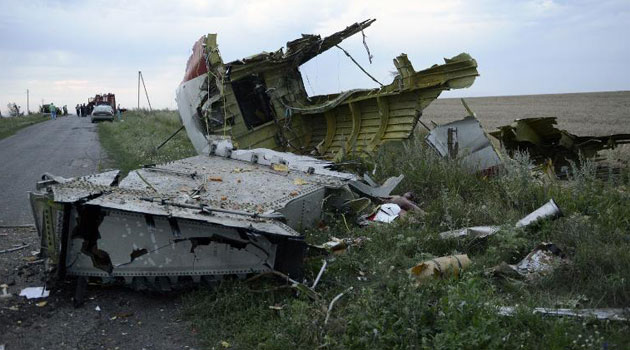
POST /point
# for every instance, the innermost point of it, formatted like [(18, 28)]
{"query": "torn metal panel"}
[(544, 141), (466, 141), (600, 314), (261, 102), (373, 190), (231, 213)]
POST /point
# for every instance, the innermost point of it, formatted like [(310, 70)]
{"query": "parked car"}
[(102, 112)]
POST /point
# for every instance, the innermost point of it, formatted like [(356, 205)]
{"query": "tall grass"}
[(385, 310), (132, 142), (381, 308), (8, 126)]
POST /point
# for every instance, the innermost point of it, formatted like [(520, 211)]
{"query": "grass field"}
[(381, 307), (132, 142), (8, 126)]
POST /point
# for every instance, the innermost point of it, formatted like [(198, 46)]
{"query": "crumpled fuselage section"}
[(260, 101)]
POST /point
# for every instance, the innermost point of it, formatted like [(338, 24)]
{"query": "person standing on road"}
[(118, 114), (53, 111), (77, 109)]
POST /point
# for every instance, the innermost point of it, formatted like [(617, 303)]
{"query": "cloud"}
[(522, 46)]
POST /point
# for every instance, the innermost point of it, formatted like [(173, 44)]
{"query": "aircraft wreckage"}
[(549, 147), (239, 206), (261, 102)]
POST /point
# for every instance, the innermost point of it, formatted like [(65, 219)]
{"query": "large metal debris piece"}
[(466, 141), (544, 141), (260, 101), (234, 212), (599, 314)]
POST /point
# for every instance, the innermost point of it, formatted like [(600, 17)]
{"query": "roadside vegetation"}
[(381, 307), (132, 142), (9, 126)]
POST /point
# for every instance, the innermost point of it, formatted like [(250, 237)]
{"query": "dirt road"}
[(67, 146), (111, 318), (125, 319)]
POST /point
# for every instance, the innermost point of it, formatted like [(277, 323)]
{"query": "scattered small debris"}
[(549, 210), (215, 179), (299, 181), (445, 266), (300, 287), (41, 303), (338, 245), (97, 308), (35, 292)]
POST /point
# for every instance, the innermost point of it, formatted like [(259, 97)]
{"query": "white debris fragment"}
[(549, 210), (600, 314), (97, 308), (475, 231), (3, 293), (541, 260), (35, 292), (387, 213)]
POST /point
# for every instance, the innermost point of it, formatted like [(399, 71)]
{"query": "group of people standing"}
[(55, 110), (83, 110)]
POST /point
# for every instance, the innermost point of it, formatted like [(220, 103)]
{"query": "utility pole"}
[(141, 78), (28, 110)]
